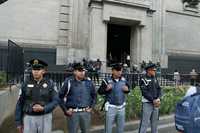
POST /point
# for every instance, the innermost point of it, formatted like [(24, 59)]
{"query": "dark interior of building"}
[(118, 43)]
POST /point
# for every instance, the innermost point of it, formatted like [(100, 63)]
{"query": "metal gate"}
[(15, 63)]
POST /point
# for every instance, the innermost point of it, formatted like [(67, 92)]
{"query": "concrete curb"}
[(166, 125), (164, 122)]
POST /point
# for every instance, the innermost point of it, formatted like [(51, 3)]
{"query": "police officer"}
[(114, 88), (77, 98), (37, 99), (151, 93)]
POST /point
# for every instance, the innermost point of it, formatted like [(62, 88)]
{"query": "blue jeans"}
[(38, 124), (77, 119), (149, 113), (117, 115)]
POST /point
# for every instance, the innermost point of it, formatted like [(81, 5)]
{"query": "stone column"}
[(98, 35), (64, 32), (135, 48), (159, 52)]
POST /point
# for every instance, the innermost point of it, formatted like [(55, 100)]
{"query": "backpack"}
[(187, 114)]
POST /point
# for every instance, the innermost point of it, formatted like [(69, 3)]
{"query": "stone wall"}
[(181, 30), (8, 101), (32, 23)]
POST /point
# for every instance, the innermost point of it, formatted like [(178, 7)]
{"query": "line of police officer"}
[(77, 97)]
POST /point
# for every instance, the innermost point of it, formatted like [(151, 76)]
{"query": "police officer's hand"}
[(109, 87), (38, 108), (156, 102), (69, 112), (125, 88), (88, 109), (20, 129)]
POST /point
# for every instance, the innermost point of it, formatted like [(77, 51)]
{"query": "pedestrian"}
[(186, 113), (98, 65), (151, 94), (37, 99), (177, 78), (114, 89), (193, 77), (77, 98)]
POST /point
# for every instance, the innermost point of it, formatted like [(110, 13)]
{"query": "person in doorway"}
[(151, 94), (114, 89), (37, 99)]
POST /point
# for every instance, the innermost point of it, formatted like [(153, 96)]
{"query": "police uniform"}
[(114, 101), (77, 96), (150, 91), (36, 92)]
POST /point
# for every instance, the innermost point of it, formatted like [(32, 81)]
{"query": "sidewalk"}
[(166, 125)]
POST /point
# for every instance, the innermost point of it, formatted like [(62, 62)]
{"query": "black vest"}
[(37, 93)]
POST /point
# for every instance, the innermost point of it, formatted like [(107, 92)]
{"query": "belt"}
[(116, 106), (79, 109)]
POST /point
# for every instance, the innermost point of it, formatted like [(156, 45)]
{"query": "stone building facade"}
[(164, 31)]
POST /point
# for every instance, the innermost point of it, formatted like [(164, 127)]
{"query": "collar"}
[(149, 76), (41, 81), (120, 78), (73, 78)]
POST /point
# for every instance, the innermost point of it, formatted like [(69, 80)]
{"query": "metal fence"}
[(133, 78)]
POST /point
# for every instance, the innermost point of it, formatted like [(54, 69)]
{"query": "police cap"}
[(37, 64), (117, 66), (79, 67), (150, 65)]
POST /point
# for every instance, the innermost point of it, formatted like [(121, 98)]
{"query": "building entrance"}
[(118, 44)]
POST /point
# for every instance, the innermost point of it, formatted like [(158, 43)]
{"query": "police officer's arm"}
[(54, 98), (127, 85), (102, 88), (19, 107), (61, 95), (159, 92), (93, 95), (145, 91)]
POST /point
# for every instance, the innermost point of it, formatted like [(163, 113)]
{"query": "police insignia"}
[(45, 85), (35, 62)]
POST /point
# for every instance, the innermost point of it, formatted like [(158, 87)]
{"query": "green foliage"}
[(133, 107), (2, 78), (169, 99)]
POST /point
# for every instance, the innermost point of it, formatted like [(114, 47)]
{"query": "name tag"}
[(30, 85)]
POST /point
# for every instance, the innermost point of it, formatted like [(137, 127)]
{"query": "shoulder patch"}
[(123, 79), (88, 78), (110, 81)]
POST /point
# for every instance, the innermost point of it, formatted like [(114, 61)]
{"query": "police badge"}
[(45, 85)]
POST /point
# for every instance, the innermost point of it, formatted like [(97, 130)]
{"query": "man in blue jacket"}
[(37, 99), (114, 88), (77, 98), (151, 93)]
